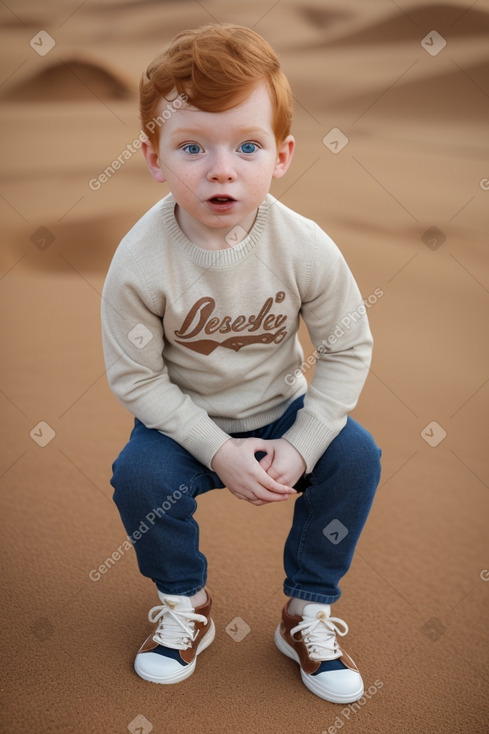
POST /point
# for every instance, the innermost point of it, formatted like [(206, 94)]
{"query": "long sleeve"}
[(336, 319), (133, 342)]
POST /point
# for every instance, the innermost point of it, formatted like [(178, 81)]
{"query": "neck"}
[(210, 238)]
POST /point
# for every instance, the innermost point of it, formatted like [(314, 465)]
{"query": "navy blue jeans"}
[(156, 483)]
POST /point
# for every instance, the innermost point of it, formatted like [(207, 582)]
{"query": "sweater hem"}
[(243, 425)]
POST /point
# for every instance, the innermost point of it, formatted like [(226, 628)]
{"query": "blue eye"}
[(248, 147), (192, 148)]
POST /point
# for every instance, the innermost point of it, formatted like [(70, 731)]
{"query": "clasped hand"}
[(269, 480)]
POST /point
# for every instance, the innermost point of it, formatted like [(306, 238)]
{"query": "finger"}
[(272, 472), (269, 483), (266, 462), (273, 486), (258, 501), (253, 500), (266, 496)]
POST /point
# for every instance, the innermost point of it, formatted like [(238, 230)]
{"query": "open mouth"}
[(221, 199)]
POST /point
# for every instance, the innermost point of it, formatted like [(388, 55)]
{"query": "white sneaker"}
[(311, 641), (169, 655)]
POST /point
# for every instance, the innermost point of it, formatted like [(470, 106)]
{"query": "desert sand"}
[(402, 185)]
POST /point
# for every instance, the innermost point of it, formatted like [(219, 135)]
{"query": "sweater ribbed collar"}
[(215, 258)]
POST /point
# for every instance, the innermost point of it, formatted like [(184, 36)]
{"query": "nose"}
[(221, 168)]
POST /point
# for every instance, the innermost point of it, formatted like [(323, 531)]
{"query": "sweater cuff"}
[(204, 440), (310, 437)]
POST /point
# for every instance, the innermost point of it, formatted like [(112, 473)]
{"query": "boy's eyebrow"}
[(241, 131)]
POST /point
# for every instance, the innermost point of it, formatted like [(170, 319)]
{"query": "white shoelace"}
[(176, 628), (319, 635)]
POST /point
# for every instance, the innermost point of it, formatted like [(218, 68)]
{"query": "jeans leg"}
[(330, 515), (156, 482)]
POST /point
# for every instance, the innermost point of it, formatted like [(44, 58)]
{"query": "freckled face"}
[(219, 166)]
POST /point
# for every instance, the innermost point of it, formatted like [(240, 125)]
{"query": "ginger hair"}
[(214, 68)]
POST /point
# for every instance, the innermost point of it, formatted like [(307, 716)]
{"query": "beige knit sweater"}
[(200, 344)]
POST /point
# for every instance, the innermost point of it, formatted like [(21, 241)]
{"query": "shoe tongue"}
[(181, 603), (311, 611)]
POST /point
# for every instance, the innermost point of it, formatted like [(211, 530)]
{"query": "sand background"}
[(407, 201)]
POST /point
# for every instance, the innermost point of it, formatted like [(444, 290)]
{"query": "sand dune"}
[(323, 18), (454, 22), (10, 22), (85, 245), (122, 5), (73, 80), (456, 94), (88, 244), (406, 201)]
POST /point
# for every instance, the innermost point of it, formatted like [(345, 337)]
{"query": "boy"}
[(200, 317)]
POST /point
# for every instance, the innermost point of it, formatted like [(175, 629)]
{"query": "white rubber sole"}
[(310, 681), (185, 670)]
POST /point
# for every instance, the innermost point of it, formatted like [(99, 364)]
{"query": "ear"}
[(152, 161), (285, 151)]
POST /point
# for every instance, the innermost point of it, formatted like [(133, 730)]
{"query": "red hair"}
[(214, 68)]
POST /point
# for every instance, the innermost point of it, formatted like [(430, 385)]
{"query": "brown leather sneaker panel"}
[(189, 654), (148, 644), (200, 629), (288, 622), (308, 666), (205, 609)]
